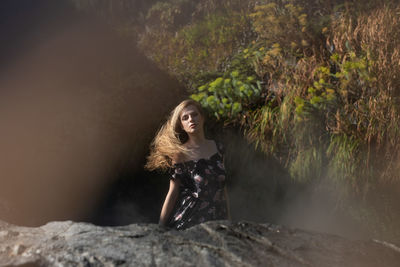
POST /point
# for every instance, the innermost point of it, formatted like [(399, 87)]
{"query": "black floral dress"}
[(202, 195)]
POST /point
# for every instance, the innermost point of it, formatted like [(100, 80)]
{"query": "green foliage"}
[(226, 96)]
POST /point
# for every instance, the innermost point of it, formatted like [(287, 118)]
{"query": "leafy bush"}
[(226, 96)]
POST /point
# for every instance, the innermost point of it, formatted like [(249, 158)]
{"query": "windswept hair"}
[(167, 147)]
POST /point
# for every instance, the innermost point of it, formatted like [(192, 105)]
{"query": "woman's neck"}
[(196, 140)]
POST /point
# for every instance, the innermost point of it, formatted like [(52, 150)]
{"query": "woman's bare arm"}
[(169, 201)]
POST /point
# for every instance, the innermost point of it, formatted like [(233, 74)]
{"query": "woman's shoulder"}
[(179, 165)]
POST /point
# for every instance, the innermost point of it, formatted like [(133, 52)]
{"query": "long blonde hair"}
[(168, 146)]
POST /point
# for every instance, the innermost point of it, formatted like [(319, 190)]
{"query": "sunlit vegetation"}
[(314, 83), (321, 92)]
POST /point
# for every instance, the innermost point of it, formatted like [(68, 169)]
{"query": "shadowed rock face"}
[(78, 104), (215, 243)]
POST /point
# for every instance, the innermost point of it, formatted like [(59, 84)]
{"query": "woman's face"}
[(191, 120)]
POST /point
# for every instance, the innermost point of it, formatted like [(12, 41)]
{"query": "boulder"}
[(216, 243)]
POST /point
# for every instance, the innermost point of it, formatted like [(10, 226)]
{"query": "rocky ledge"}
[(218, 243)]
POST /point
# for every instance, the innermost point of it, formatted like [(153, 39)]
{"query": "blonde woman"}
[(197, 191)]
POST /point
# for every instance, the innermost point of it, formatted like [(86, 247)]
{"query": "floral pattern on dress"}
[(201, 196)]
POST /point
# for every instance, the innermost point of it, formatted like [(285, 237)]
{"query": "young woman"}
[(197, 191)]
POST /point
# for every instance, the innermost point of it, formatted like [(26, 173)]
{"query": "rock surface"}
[(218, 243)]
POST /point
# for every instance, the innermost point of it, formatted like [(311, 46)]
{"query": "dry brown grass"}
[(376, 36)]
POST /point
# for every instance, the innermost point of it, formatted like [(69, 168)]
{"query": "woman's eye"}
[(184, 117)]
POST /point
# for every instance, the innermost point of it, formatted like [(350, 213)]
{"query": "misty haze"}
[(303, 94)]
